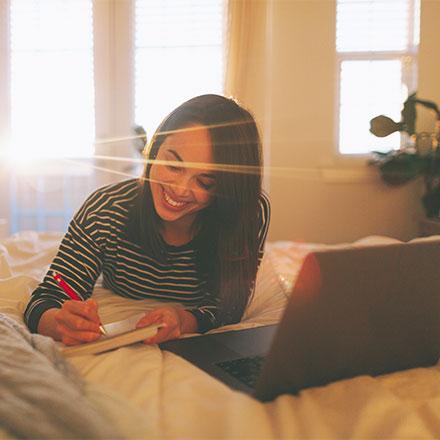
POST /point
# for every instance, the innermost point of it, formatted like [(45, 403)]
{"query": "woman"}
[(192, 231)]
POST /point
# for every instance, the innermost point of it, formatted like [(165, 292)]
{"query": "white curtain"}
[(240, 29)]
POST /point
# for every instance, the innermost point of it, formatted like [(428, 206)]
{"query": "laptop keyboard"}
[(246, 369)]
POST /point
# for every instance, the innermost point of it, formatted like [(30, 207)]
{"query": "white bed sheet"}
[(167, 397)]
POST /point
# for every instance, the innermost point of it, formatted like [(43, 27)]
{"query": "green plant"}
[(421, 158)]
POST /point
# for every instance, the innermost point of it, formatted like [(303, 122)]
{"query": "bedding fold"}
[(147, 393), (42, 395)]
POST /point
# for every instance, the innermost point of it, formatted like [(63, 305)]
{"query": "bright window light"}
[(376, 43), (372, 25), (178, 55), (52, 92), (360, 104)]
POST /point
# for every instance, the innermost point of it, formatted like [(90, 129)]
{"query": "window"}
[(52, 93), (77, 75), (179, 55), (376, 43), (66, 69)]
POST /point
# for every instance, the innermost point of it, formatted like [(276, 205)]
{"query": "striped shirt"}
[(96, 243)]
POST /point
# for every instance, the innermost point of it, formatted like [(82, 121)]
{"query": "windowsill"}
[(429, 226), (357, 174), (349, 168)]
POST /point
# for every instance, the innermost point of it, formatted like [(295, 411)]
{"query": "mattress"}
[(149, 393)]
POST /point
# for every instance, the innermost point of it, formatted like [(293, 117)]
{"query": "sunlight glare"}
[(52, 91)]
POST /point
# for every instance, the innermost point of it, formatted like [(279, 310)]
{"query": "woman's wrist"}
[(47, 325), (189, 322)]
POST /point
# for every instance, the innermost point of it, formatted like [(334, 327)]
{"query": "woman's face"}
[(182, 183)]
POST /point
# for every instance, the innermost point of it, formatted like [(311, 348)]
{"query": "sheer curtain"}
[(248, 75), (247, 45), (238, 35)]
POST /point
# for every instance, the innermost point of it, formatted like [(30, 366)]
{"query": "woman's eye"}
[(173, 168), (206, 185)]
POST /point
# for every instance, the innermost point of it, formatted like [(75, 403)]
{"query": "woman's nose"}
[(181, 187)]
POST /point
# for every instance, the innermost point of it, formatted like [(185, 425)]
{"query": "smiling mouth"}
[(171, 202)]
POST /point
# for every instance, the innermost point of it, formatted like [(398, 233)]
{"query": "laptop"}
[(353, 311)]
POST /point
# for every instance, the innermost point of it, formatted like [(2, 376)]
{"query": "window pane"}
[(179, 54), (373, 25), (376, 41), (369, 89), (52, 93)]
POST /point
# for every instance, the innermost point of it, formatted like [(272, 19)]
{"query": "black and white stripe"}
[(96, 242)]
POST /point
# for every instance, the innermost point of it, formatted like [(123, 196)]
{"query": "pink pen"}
[(72, 295)]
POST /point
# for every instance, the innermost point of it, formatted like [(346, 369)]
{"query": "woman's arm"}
[(79, 262), (265, 211)]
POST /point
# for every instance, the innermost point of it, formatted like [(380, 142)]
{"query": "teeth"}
[(171, 201)]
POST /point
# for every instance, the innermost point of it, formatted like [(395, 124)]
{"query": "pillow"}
[(24, 259), (269, 299), (275, 278), (286, 258)]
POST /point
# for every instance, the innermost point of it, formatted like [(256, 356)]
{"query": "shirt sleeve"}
[(207, 313), (264, 224), (78, 261)]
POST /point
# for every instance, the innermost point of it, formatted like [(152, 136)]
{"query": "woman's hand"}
[(176, 320), (75, 323)]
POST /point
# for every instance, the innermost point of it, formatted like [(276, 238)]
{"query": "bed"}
[(139, 391)]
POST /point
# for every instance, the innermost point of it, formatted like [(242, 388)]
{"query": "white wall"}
[(317, 195)]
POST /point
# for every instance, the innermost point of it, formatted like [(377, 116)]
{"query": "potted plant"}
[(421, 157)]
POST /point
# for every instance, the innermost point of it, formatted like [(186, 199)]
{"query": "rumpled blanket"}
[(42, 395)]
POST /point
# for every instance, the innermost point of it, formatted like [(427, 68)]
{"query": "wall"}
[(317, 195), (290, 86)]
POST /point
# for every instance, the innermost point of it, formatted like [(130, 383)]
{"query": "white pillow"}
[(275, 279)]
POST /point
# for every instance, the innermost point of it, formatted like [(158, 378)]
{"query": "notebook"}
[(119, 334), (353, 311)]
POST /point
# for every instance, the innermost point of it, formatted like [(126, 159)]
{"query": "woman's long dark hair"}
[(228, 245)]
